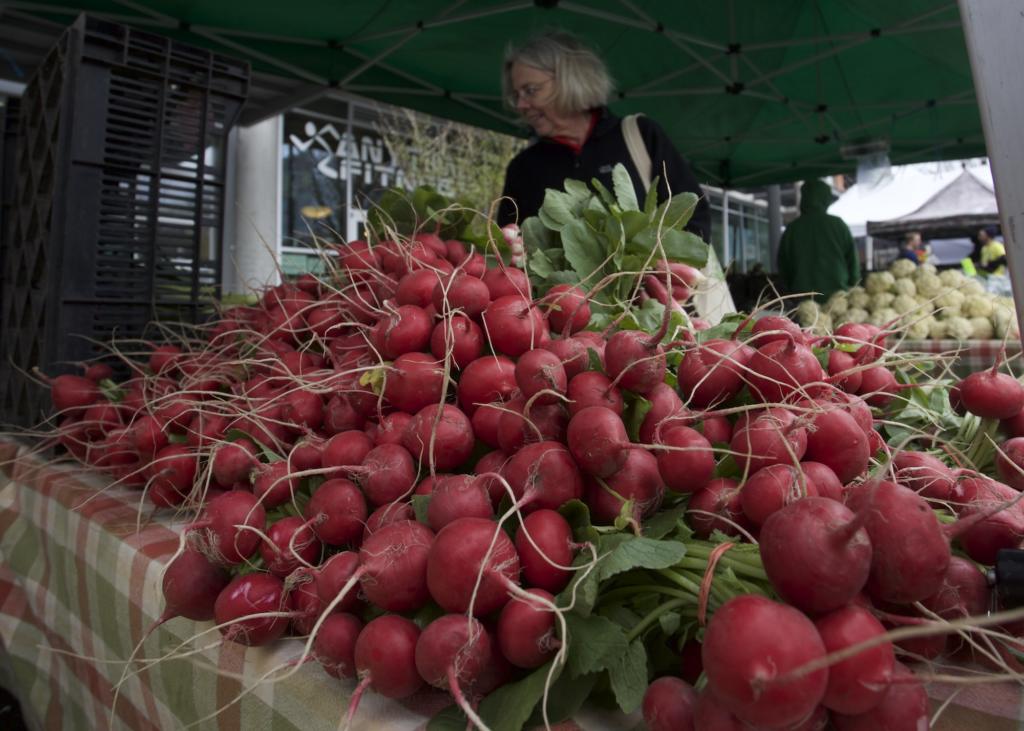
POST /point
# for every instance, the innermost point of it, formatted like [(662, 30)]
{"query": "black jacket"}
[(546, 164)]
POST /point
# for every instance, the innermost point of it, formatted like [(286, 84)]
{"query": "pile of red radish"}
[(350, 444)]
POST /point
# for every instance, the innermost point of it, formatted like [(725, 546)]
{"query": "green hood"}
[(815, 196)]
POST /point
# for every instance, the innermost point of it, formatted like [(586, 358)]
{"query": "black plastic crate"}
[(118, 202)]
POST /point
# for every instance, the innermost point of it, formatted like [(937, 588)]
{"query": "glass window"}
[(314, 179)]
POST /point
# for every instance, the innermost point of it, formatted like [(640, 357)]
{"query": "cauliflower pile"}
[(930, 305)]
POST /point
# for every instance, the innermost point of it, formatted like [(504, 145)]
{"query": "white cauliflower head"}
[(902, 268), (952, 278), (807, 312), (904, 303), (881, 300), (981, 328), (925, 269), (837, 304), (977, 305), (920, 329), (855, 314), (958, 328), (1004, 321), (883, 316), (937, 329), (928, 285), (948, 313), (950, 298), (823, 325), (861, 300), (879, 282), (972, 286), (905, 286)]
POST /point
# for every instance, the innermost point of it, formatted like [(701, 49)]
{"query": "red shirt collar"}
[(572, 144)]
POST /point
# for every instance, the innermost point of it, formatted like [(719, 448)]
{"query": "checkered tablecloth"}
[(970, 355), (79, 585)]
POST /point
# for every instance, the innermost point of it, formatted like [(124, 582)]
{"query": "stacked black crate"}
[(118, 202)]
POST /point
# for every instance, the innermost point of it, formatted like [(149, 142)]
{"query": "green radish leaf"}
[(633, 222), (578, 191), (582, 249), (623, 616), (642, 553), (594, 643), (563, 277), (173, 438), (594, 361), (449, 718), (663, 522), (637, 408), (582, 591), (427, 614), (508, 708), (605, 195), (420, 505), (557, 210), (727, 467), (651, 200), (565, 698), (539, 263), (625, 193), (669, 622), (684, 246), (649, 315), (111, 391), (625, 517), (536, 235), (678, 210), (724, 330), (822, 355), (628, 675)]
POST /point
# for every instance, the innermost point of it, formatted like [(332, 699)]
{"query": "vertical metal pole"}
[(774, 225), (993, 30), (726, 248)]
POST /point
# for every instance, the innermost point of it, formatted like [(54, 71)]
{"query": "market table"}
[(79, 579), (971, 355)]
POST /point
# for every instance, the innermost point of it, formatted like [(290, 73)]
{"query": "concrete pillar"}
[(252, 208)]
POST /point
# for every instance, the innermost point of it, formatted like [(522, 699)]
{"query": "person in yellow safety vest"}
[(989, 255)]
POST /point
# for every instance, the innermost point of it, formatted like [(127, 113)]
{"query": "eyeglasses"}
[(528, 91)]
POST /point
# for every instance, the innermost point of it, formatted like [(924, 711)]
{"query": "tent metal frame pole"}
[(265, 57), (654, 25), (31, 7), (992, 30), (808, 41), (278, 105), (500, 10)]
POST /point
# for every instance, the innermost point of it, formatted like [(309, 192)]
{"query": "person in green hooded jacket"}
[(817, 252)]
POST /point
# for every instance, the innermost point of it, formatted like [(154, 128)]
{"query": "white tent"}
[(901, 192)]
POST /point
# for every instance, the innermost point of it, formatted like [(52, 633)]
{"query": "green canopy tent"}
[(752, 92)]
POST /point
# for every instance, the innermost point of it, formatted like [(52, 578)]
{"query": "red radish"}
[(486, 379), (770, 328), (248, 595), (878, 386), (835, 440), (781, 368), (414, 381), (713, 372), (292, 544), (332, 577), (669, 705), (148, 435), (1010, 463), (593, 388), (386, 657), (638, 482), (858, 683), (567, 308), (274, 484), (345, 449), (598, 441), (815, 554), (687, 463), (572, 353), (542, 423), (452, 653), (393, 566), (341, 415), (513, 325), (750, 644), (493, 462), (406, 330), (456, 497), (540, 370), (306, 604), (387, 473), (335, 645), (206, 429), (386, 515), (172, 474), (475, 546), (97, 372), (100, 418), (462, 293), (774, 437), (719, 497), (162, 359), (191, 585), (233, 461), (866, 337), (842, 369), (526, 630), (911, 552), (439, 436), (711, 714), (964, 591), (391, 429), (303, 410), (544, 543), (666, 407), (635, 360), (417, 288), (903, 706), (507, 281), (486, 423), (1012, 427), (772, 488), (336, 512), (716, 429), (307, 453), (995, 524), (991, 394), (543, 475), (460, 336), (924, 474), (222, 532), (457, 251), (824, 479)]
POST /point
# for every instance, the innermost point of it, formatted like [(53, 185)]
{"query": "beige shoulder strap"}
[(637, 149)]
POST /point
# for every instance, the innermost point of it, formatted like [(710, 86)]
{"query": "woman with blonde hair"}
[(560, 88)]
